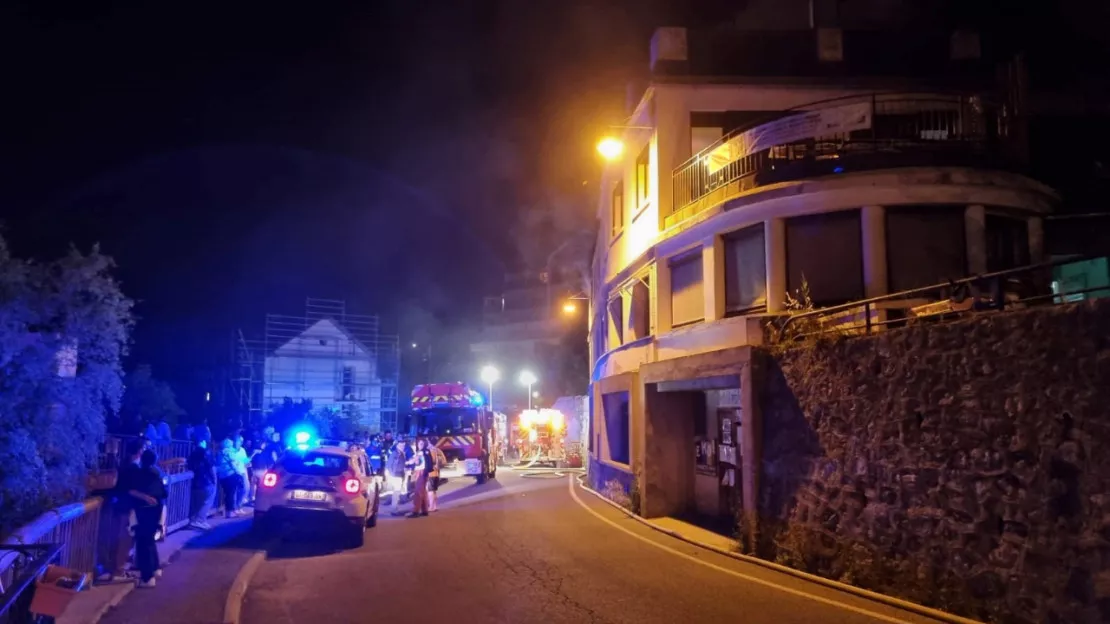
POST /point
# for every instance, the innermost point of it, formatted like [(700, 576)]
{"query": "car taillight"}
[(352, 486), (269, 479)]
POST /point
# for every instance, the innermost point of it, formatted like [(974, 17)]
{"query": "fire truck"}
[(541, 436), (455, 419)]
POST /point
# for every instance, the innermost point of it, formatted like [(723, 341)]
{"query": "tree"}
[(146, 398), (64, 329)]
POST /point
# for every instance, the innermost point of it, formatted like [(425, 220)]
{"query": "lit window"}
[(617, 208), (643, 175)]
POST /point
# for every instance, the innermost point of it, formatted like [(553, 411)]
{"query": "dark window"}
[(824, 250), (617, 426), (643, 176), (616, 318), (640, 313), (687, 300), (617, 216), (745, 269), (319, 464), (348, 390), (925, 245), (1007, 243)]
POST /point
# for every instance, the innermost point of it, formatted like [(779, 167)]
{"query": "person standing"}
[(421, 463), (228, 471), (439, 460), (243, 462), (204, 486), (264, 460), (150, 494), (202, 433), (395, 474), (117, 534)]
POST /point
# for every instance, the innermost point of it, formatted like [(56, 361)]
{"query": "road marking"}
[(233, 607), (740, 575)]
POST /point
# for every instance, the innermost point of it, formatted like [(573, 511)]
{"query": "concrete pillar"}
[(876, 280), (667, 479), (751, 441), (775, 233), (597, 423), (1035, 226), (975, 230), (637, 429), (672, 145), (713, 278), (661, 302)]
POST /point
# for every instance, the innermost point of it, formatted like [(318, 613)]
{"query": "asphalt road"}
[(525, 550)]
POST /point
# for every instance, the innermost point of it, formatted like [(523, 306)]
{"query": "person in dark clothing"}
[(204, 486), (150, 494), (117, 534), (265, 459)]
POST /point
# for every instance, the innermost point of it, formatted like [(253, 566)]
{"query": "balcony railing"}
[(856, 133)]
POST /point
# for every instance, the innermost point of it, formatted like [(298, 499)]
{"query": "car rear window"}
[(322, 464)]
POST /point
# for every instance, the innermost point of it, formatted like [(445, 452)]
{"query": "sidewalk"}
[(88, 607)]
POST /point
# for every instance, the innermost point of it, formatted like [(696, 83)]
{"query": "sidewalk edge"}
[(898, 603)]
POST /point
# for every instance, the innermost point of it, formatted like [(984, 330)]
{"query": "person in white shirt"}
[(242, 460)]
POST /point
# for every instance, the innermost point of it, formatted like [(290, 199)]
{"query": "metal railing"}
[(1009, 289), (76, 528), (906, 129), (16, 592), (113, 447)]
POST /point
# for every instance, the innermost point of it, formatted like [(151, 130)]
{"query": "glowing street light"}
[(569, 307), (527, 379), (610, 148), (490, 375)]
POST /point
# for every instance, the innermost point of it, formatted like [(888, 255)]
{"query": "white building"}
[(326, 365), (733, 190)]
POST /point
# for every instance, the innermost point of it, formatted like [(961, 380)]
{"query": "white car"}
[(320, 486)]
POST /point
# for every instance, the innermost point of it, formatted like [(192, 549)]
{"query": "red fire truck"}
[(456, 420)]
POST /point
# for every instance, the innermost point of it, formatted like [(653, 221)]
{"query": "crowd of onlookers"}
[(137, 518)]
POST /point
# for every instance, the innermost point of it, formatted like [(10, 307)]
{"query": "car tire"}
[(357, 536)]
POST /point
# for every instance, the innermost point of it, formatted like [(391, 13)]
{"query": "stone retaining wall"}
[(964, 465)]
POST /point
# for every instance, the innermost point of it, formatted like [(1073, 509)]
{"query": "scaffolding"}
[(337, 360)]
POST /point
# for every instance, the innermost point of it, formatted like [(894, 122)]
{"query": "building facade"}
[(740, 191), (526, 328)]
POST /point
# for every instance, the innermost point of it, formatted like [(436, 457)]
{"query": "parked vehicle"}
[(455, 420), (320, 487)]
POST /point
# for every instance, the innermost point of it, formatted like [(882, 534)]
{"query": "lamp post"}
[(527, 379), (490, 375)]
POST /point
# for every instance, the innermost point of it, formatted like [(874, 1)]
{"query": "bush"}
[(64, 328)]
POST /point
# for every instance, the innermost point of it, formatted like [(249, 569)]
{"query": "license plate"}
[(309, 495)]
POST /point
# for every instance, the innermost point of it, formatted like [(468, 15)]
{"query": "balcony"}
[(844, 135)]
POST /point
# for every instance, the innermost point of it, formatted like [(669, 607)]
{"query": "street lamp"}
[(610, 148), (569, 307), (490, 375), (527, 379)]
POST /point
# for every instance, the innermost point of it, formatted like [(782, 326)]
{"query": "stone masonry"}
[(963, 465)]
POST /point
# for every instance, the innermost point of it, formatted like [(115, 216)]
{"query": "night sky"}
[(237, 157)]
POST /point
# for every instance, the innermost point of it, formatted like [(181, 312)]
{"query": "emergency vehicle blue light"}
[(302, 437), (476, 399)]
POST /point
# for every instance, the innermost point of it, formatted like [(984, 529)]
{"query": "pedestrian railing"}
[(76, 529), (1017, 288), (17, 592), (113, 447)]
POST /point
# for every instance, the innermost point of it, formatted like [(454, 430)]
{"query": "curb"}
[(890, 601), (233, 606)]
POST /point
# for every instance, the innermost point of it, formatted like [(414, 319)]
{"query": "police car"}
[(323, 485)]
